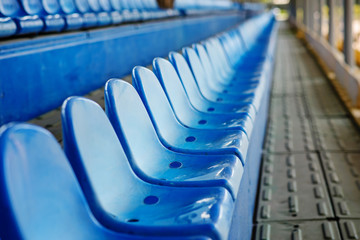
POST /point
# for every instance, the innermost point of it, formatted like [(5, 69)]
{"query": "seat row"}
[(18, 17), (167, 160)]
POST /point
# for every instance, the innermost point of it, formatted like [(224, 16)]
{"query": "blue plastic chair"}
[(7, 25), (119, 199), (189, 106), (115, 15), (173, 134), (47, 11), (73, 20), (90, 19), (130, 13), (151, 160), (14, 19), (103, 18), (212, 87), (40, 197), (187, 76)]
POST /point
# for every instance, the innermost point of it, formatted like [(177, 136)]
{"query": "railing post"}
[(321, 3), (348, 40), (305, 12), (331, 4)]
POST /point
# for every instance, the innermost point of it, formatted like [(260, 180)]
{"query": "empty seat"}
[(151, 160), (103, 18), (115, 15), (189, 112), (90, 19), (175, 135), (123, 202), (12, 13), (211, 90), (243, 106), (53, 22), (40, 197)]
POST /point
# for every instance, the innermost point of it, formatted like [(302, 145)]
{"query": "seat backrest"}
[(68, 6), (39, 195), (203, 78), (157, 105), (83, 6), (116, 4), (187, 78), (105, 5), (32, 7), (10, 8), (132, 125), (94, 5), (51, 6), (99, 161)]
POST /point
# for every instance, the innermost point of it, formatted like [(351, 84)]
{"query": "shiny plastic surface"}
[(150, 159), (176, 136), (123, 202), (182, 100)]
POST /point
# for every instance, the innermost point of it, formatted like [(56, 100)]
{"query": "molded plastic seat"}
[(116, 17), (211, 88), (207, 87), (53, 22), (72, 18), (123, 202), (90, 19), (103, 18), (190, 84), (12, 13), (150, 159), (130, 13), (215, 115), (175, 135), (40, 197)]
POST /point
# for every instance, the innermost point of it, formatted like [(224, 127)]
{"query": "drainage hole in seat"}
[(132, 220), (225, 91), (150, 200), (190, 139), (202, 122), (211, 109), (219, 99), (175, 164)]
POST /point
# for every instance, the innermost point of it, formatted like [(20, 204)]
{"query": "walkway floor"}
[(310, 180)]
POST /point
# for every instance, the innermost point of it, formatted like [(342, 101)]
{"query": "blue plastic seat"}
[(151, 160), (90, 19), (40, 197), (115, 15), (130, 13), (189, 106), (173, 134), (103, 18), (242, 102), (215, 82), (14, 19), (119, 199), (53, 22)]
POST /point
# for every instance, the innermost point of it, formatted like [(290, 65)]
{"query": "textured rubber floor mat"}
[(350, 229), (288, 107), (337, 134), (343, 176), (311, 230), (292, 188), (289, 135), (322, 99)]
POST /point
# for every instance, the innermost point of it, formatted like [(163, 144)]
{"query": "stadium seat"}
[(173, 134), (196, 98), (115, 15), (189, 108), (15, 21), (40, 197), (212, 89), (119, 199), (151, 160)]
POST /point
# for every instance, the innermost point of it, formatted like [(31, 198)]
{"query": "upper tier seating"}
[(175, 156)]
